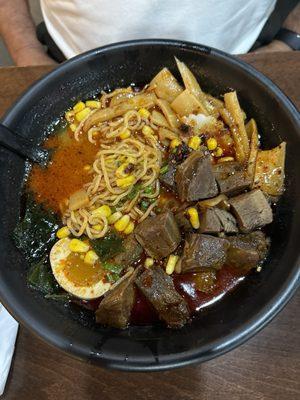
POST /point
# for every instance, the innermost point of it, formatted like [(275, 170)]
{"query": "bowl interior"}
[(216, 329)]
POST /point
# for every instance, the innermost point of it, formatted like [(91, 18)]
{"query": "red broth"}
[(227, 279)]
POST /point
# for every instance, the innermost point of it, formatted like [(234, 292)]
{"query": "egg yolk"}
[(81, 273)]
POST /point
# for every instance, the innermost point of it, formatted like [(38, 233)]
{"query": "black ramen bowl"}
[(218, 328)]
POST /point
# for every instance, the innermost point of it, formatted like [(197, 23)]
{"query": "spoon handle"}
[(22, 146)]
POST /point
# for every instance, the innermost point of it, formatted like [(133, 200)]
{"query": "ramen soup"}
[(153, 204)]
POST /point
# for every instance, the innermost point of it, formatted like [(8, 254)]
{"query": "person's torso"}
[(230, 25)]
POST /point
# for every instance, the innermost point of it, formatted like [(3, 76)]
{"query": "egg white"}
[(59, 253)]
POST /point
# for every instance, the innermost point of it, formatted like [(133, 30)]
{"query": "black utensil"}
[(22, 146)]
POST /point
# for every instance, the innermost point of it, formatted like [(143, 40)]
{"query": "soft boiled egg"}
[(82, 280)]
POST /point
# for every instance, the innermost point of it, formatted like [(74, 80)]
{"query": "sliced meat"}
[(115, 309), (159, 289), (159, 235), (252, 210), (203, 251), (247, 251), (232, 178), (168, 178), (131, 252), (215, 220), (195, 179)]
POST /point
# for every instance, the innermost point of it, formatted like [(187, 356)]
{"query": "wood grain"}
[(266, 367)]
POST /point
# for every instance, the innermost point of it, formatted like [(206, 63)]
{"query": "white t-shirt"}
[(229, 25)]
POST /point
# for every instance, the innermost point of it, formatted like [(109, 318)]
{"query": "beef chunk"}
[(247, 251), (183, 222), (159, 289), (210, 222), (131, 252), (115, 309), (227, 220), (159, 235), (251, 210), (195, 179), (168, 178), (203, 251), (216, 220), (231, 177)]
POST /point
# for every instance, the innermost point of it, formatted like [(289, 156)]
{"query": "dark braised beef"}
[(251, 210), (115, 308), (227, 220), (158, 288), (183, 222), (159, 235), (195, 179), (131, 253), (232, 178), (215, 220), (203, 251), (177, 157), (247, 251), (168, 178), (210, 222)]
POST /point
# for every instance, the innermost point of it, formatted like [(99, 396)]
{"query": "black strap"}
[(291, 38), (44, 37), (275, 21)]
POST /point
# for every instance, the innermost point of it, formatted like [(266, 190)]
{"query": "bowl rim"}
[(219, 346)]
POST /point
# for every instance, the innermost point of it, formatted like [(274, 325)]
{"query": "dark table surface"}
[(266, 367)]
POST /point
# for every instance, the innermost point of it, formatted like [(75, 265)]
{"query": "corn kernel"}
[(102, 211), (211, 144), (78, 246), (225, 159), (175, 143), (90, 257), (218, 152), (178, 267), (194, 217), (120, 171), (114, 217), (171, 264), (63, 232), (125, 182), (144, 113), (129, 228), (147, 130), (79, 106), (92, 104), (98, 227), (73, 127), (82, 114), (87, 168), (69, 115), (194, 142), (122, 223), (148, 262), (125, 134)]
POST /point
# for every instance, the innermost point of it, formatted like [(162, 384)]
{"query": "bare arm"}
[(293, 23), (18, 31)]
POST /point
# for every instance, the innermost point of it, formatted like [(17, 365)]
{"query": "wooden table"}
[(266, 367)]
